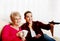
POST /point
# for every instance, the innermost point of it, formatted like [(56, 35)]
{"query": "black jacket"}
[(37, 26)]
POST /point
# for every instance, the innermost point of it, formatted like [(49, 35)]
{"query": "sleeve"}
[(23, 27), (43, 26), (6, 34)]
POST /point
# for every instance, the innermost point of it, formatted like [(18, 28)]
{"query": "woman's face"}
[(16, 20), (28, 18)]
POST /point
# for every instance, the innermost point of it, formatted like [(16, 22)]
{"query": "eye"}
[(27, 16), (15, 19)]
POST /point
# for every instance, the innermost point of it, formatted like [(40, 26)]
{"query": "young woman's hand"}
[(38, 35)]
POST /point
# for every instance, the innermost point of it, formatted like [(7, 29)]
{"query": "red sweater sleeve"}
[(6, 34)]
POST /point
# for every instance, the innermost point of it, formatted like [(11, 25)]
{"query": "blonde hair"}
[(13, 14)]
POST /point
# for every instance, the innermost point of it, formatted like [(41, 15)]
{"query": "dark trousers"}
[(45, 37), (37, 39), (48, 38)]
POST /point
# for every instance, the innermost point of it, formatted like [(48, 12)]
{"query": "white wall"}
[(43, 10), (56, 14), (39, 8)]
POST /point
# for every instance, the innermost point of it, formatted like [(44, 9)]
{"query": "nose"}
[(30, 18), (18, 20)]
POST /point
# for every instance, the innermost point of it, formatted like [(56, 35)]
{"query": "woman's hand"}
[(23, 39), (21, 35)]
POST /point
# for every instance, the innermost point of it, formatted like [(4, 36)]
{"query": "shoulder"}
[(23, 25), (37, 22), (6, 26)]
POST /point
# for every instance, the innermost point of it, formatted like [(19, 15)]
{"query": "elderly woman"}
[(11, 31)]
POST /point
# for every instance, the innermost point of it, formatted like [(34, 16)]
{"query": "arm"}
[(47, 26), (43, 26)]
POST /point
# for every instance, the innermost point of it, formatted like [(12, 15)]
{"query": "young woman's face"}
[(16, 20), (28, 18)]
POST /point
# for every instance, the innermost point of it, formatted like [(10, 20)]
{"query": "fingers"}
[(38, 35), (18, 34)]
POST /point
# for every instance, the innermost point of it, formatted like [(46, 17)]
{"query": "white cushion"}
[(47, 32)]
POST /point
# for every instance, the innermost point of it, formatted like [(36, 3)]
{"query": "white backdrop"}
[(43, 10)]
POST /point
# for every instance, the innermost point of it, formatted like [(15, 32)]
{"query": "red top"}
[(9, 34)]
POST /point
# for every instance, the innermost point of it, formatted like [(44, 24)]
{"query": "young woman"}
[(34, 28)]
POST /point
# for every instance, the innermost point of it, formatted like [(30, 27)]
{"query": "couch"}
[(49, 32)]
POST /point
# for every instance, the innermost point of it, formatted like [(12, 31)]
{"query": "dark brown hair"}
[(27, 13)]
